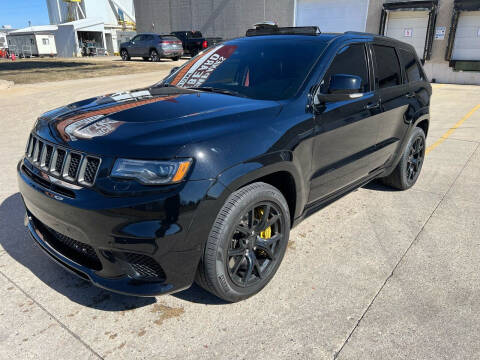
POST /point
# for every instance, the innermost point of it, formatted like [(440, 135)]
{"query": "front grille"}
[(144, 267), (77, 251), (70, 166)]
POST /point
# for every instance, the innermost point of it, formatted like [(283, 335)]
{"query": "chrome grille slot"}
[(88, 171), (57, 162), (31, 145), (72, 166), (38, 151), (27, 149), (46, 158)]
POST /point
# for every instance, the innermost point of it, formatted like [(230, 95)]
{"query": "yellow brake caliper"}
[(267, 233)]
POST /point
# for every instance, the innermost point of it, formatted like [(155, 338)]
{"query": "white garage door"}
[(410, 27), (467, 37), (332, 15)]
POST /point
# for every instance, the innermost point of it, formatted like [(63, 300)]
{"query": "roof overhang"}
[(416, 5), (41, 29), (84, 23)]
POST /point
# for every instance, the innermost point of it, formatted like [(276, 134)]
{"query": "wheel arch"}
[(423, 124), (277, 170)]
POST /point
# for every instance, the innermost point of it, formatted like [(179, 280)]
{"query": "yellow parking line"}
[(451, 130)]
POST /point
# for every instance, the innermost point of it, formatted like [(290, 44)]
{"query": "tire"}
[(146, 58), (193, 53), (124, 55), (409, 167), (239, 259), (176, 58), (154, 56)]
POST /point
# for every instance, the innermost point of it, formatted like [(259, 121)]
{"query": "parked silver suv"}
[(152, 46)]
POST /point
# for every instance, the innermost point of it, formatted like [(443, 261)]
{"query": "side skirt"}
[(312, 208)]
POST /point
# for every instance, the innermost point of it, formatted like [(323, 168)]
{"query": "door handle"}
[(410, 95), (372, 106)]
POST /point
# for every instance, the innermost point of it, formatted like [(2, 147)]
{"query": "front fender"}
[(247, 172)]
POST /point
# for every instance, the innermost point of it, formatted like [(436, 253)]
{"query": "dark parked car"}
[(202, 175), (193, 41), (153, 47)]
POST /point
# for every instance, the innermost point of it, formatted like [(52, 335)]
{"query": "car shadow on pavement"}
[(379, 186), (16, 242), (196, 294)]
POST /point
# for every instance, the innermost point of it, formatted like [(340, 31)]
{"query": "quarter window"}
[(350, 60), (410, 65), (387, 66)]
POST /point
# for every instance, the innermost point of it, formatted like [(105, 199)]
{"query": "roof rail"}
[(270, 28)]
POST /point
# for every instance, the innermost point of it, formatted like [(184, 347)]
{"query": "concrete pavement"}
[(378, 274)]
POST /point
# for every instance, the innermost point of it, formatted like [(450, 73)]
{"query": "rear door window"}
[(410, 65), (350, 60), (387, 67)]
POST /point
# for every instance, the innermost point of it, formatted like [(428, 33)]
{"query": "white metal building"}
[(71, 35), (33, 41), (332, 15), (3, 40), (118, 17)]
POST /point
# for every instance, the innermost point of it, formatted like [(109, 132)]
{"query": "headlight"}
[(152, 172)]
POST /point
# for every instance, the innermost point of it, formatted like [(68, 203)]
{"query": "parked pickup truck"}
[(193, 41)]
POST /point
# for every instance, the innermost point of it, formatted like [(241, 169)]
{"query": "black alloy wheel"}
[(415, 158), (154, 56), (246, 244), (252, 253), (407, 171), (124, 55)]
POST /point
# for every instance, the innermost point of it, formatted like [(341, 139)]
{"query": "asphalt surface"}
[(379, 274)]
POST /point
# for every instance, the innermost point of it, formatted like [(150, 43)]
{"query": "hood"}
[(149, 123)]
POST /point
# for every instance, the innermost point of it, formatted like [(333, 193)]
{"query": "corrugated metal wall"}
[(224, 18)]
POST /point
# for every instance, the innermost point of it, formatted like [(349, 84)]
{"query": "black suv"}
[(201, 176)]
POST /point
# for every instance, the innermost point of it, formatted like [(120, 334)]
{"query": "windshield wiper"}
[(218, 90)]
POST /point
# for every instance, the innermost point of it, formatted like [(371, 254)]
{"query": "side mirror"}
[(342, 87), (174, 69)]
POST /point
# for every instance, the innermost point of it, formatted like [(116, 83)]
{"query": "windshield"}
[(267, 69)]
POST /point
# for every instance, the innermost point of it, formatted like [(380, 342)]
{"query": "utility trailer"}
[(33, 41)]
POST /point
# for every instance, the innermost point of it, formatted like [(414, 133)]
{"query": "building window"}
[(45, 41), (32, 42)]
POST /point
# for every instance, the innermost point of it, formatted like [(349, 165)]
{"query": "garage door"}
[(410, 27), (332, 15), (467, 37)]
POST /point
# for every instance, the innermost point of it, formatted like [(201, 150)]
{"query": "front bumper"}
[(137, 245)]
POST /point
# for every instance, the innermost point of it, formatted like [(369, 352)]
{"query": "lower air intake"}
[(143, 267)]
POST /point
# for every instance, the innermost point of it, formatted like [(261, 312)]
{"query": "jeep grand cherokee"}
[(200, 177)]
